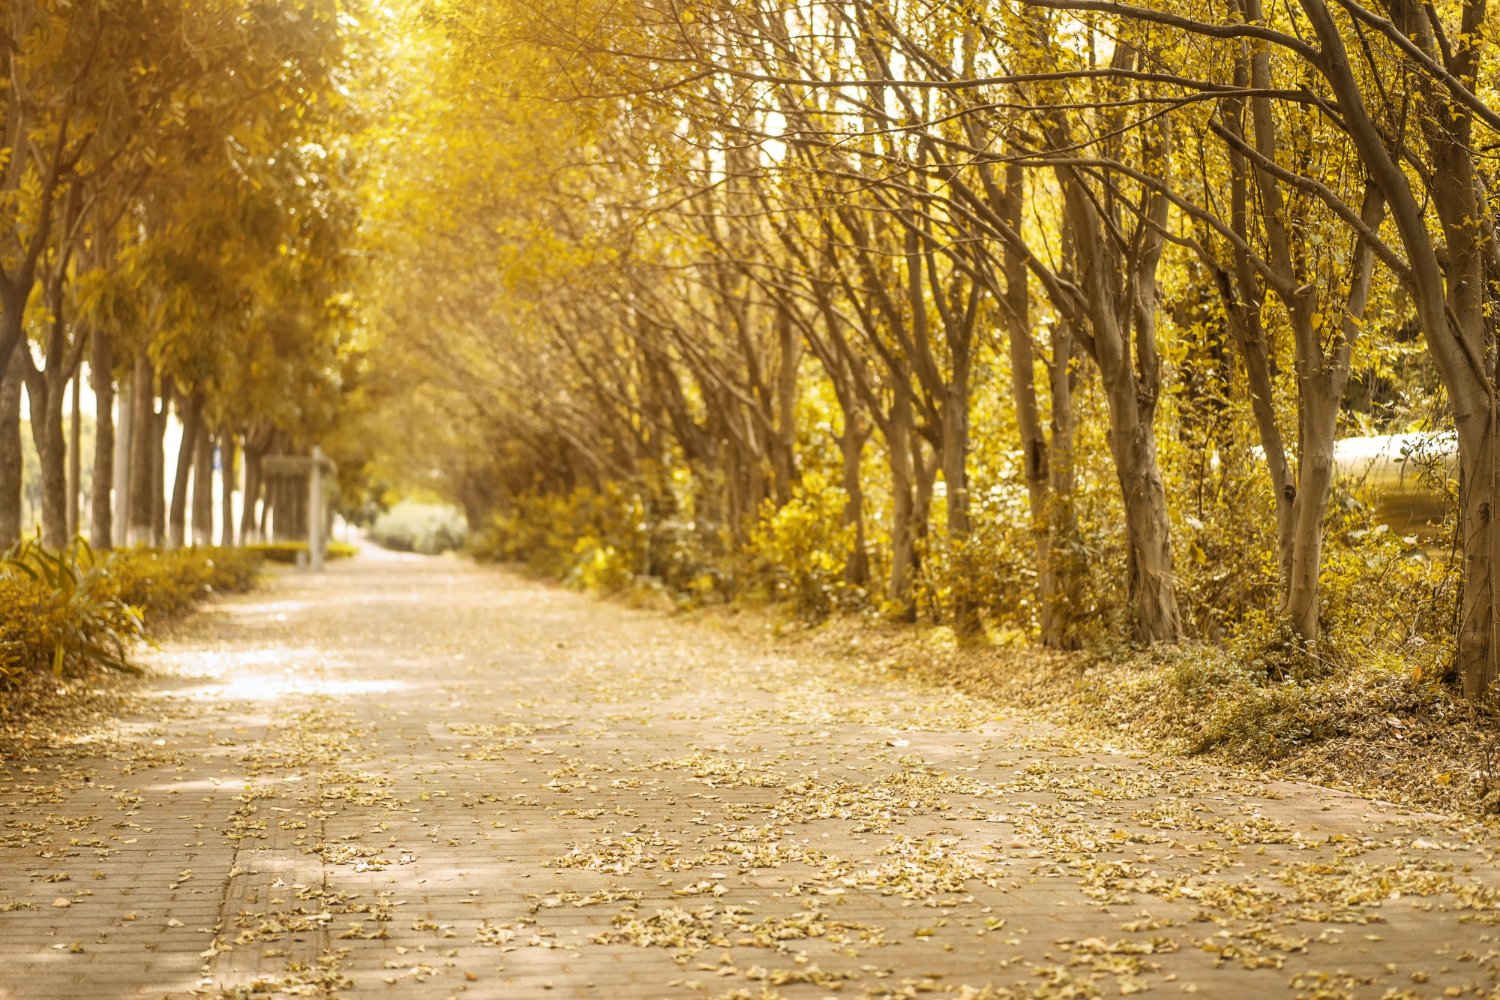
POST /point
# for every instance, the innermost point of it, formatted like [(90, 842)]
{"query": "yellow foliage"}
[(801, 547), (71, 609)]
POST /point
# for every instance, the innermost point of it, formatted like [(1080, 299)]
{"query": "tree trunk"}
[(1119, 300), (733, 492), (1242, 304), (955, 460), (1064, 541), (1148, 537), (192, 429), (1263, 405), (851, 445), (784, 446), (226, 490), (1046, 466), (1323, 381), (75, 458), (1452, 297), (1314, 483), (755, 491), (249, 525), (142, 425), (10, 455), (898, 443), (1053, 605), (203, 490), (925, 468), (52, 453), (157, 447), (1478, 472), (101, 507), (124, 444)]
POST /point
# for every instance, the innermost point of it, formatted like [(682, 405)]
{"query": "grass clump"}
[(1222, 703), (61, 609), (78, 609)]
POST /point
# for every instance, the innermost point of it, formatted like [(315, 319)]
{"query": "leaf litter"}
[(770, 825)]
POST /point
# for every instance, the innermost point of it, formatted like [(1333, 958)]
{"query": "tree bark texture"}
[(48, 435), (142, 424), (899, 433), (851, 446), (75, 458), (203, 490), (101, 506), (156, 447), (228, 467), (192, 429), (10, 456)]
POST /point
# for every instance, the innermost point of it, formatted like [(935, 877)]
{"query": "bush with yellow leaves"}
[(800, 548), (77, 608)]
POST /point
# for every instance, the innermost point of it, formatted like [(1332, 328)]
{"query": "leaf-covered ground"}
[(418, 778)]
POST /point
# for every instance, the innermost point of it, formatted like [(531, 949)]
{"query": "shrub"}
[(288, 552), (587, 538), (992, 568), (77, 608), (598, 565), (801, 547), (165, 583), (1250, 709), (62, 609), (420, 527)]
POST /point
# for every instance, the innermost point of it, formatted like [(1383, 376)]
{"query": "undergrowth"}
[(78, 609), (288, 553), (1377, 725)]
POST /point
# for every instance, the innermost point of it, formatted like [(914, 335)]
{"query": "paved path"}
[(415, 778)]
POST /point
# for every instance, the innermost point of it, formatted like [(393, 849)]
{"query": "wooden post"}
[(282, 470)]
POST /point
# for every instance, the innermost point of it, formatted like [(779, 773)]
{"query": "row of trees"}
[(911, 261), (175, 210)]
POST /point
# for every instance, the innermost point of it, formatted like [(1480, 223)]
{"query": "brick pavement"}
[(417, 778)]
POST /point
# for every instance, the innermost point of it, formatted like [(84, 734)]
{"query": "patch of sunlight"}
[(213, 663), (203, 785), (262, 673), (269, 687), (275, 610), (105, 736), (288, 867)]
